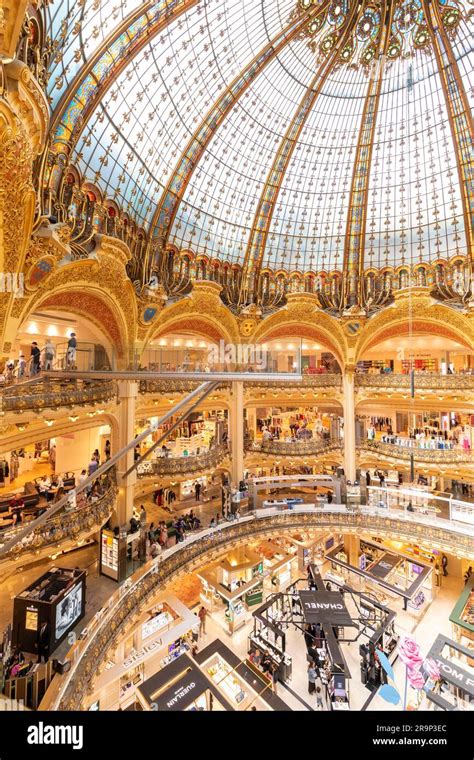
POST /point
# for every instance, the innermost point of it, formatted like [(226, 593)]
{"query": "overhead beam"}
[(459, 115), (269, 196), (354, 239), (167, 207)]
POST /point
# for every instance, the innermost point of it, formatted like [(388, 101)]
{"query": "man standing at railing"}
[(35, 358), (71, 352), (49, 354)]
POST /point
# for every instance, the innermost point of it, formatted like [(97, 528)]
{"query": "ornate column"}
[(352, 547), (127, 394), (24, 118), (12, 14), (237, 432), (349, 424)]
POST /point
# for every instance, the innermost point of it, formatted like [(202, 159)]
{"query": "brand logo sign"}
[(325, 607), (46, 734), (456, 674)]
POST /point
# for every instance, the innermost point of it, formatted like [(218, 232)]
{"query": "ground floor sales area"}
[(239, 634)]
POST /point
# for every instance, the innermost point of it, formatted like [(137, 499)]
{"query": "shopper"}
[(444, 564), (93, 466), (16, 507), (21, 368), (71, 352), (107, 450), (312, 676), (197, 490), (274, 673), (202, 614), (319, 699), (35, 358), (49, 354)]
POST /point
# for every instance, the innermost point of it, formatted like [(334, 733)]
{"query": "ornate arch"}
[(302, 318), (420, 316)]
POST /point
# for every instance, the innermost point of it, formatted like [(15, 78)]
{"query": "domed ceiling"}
[(279, 133)]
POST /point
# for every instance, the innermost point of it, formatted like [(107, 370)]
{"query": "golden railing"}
[(50, 394), (431, 456), (68, 691), (292, 448), (182, 465), (422, 381), (67, 525)]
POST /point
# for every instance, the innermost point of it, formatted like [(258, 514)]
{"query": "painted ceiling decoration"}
[(284, 134)]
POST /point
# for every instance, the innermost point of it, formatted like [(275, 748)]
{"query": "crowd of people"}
[(40, 358)]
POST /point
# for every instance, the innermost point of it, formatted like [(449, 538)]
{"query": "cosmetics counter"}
[(386, 574), (162, 634), (462, 619)]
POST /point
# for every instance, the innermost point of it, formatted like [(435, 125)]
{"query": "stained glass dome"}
[(281, 133)]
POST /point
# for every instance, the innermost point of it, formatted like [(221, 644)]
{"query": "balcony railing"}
[(67, 525), (431, 456), (50, 394), (422, 381), (68, 691), (324, 380), (313, 447), (182, 465)]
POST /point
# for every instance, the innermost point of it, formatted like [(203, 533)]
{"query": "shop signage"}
[(183, 693), (324, 607), (456, 675), (135, 657), (385, 565)]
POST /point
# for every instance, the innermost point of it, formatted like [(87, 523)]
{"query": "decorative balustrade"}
[(67, 525), (170, 386), (422, 381), (68, 691), (313, 447), (324, 380), (328, 380), (50, 394), (431, 456), (182, 465)]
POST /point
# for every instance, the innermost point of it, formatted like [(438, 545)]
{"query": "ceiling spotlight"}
[(73, 417), (49, 422)]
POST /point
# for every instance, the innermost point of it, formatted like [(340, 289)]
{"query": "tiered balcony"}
[(405, 453), (52, 394), (313, 447), (65, 526), (189, 465), (428, 382)]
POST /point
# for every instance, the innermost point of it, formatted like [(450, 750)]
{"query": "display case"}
[(224, 676), (45, 612)]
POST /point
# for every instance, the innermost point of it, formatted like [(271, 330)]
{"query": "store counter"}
[(45, 612), (462, 618), (241, 684)]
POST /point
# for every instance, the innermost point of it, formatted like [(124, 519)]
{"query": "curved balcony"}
[(422, 381), (325, 380), (313, 447), (68, 691), (163, 466), (169, 386), (64, 526), (429, 456), (51, 394)]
